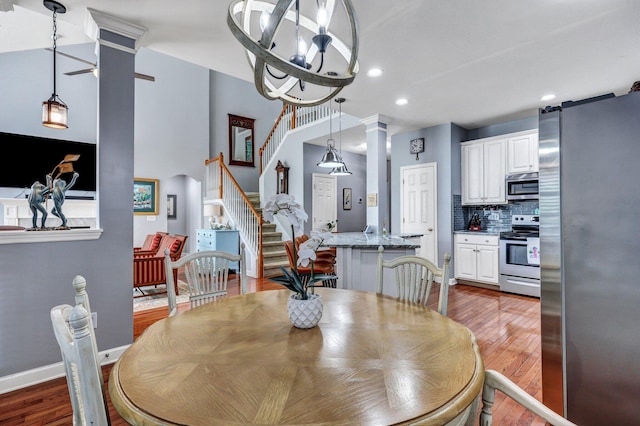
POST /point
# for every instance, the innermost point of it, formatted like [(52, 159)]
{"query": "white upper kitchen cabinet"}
[(484, 171), (522, 152)]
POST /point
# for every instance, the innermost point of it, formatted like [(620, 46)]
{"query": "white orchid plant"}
[(287, 206)]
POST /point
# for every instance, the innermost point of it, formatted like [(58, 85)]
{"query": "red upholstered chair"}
[(150, 270), (320, 266), (151, 244)]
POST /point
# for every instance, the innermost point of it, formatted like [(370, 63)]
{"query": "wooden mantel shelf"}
[(13, 237)]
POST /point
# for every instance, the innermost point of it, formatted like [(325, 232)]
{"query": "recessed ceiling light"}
[(402, 101), (374, 72), (548, 97)]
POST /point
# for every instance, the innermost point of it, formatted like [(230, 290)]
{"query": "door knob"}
[(430, 229)]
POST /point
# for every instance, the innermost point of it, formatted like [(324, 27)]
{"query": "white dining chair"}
[(74, 333), (207, 275), (414, 278), (493, 380)]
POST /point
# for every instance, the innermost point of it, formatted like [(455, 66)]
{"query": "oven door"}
[(514, 260)]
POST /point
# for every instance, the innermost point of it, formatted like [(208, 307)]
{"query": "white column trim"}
[(376, 119), (96, 20), (116, 46)]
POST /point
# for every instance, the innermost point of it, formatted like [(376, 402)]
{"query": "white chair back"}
[(73, 330), (207, 275), (414, 277), (494, 380)]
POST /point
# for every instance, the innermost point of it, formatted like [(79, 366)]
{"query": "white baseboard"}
[(45, 373)]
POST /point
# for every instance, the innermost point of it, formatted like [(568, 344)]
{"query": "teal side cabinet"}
[(221, 240)]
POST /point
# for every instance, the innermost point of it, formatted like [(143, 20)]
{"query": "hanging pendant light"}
[(342, 169), (54, 111), (286, 68), (331, 158)]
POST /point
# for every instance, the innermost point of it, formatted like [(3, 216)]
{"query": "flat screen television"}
[(30, 158)]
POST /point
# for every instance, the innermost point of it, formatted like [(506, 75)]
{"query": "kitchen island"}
[(357, 258)]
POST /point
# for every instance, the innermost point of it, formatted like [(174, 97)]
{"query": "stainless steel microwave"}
[(522, 186)]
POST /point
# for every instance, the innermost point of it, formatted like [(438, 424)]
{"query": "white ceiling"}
[(469, 62)]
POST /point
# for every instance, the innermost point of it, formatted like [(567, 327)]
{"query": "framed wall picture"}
[(241, 141), (171, 206), (145, 196), (347, 198)]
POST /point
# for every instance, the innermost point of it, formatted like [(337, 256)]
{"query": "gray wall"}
[(352, 220), (35, 277), (27, 81), (172, 119), (171, 134), (230, 95), (442, 146), (503, 128)]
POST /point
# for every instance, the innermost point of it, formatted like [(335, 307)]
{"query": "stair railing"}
[(290, 118), (220, 184), (247, 220)]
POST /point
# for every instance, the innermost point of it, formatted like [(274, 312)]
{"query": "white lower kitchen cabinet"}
[(476, 258)]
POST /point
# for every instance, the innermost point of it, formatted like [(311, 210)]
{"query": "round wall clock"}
[(416, 146)]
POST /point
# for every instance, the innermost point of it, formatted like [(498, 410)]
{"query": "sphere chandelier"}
[(274, 33)]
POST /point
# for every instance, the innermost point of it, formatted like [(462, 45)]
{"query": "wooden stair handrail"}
[(258, 216)]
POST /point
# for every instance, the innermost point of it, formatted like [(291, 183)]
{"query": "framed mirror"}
[(241, 141)]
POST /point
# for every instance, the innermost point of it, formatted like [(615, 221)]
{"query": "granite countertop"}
[(362, 240), (481, 232)]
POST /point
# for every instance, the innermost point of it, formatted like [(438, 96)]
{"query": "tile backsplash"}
[(494, 217)]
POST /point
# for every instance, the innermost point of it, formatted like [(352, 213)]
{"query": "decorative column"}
[(117, 42), (377, 177)]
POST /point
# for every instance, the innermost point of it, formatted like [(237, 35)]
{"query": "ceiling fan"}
[(94, 67)]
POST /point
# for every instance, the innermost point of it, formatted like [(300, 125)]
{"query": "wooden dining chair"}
[(494, 380), (324, 264), (207, 275), (74, 333), (414, 278)]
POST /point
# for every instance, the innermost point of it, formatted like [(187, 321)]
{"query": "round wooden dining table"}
[(372, 360)]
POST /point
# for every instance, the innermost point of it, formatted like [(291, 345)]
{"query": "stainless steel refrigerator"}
[(590, 259)]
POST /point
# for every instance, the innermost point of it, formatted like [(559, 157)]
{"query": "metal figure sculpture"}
[(60, 187), (57, 188), (36, 198)]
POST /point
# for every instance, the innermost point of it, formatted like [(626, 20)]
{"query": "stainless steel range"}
[(520, 256)]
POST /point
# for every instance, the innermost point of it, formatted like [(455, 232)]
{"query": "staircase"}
[(273, 251), (245, 208)]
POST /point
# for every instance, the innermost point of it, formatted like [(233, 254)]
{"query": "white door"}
[(418, 201), (325, 203)]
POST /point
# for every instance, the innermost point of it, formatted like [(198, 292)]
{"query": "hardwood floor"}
[(507, 328)]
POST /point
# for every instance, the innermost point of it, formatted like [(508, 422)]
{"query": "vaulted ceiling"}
[(469, 62)]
